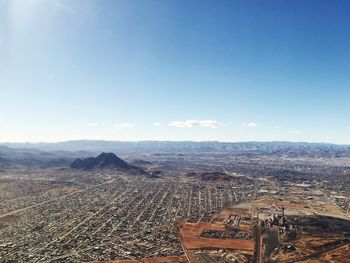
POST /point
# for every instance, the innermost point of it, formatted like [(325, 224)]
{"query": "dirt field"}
[(170, 259), (7, 219), (190, 236), (292, 203), (224, 214), (341, 255)]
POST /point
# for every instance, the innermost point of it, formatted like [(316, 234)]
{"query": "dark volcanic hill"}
[(104, 160)]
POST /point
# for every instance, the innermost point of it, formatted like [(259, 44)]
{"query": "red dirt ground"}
[(170, 259), (191, 239)]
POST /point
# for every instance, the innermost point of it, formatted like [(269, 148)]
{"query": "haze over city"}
[(174, 70)]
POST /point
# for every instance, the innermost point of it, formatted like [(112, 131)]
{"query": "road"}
[(258, 245)]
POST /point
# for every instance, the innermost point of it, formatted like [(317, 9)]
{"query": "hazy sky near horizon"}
[(175, 70)]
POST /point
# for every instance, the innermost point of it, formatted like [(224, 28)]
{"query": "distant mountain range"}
[(10, 157), (61, 154), (291, 149)]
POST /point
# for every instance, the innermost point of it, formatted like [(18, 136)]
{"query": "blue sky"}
[(175, 70)]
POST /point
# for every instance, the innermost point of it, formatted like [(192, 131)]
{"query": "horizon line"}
[(195, 141)]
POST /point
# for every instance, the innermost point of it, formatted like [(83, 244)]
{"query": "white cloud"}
[(157, 124), (95, 124), (195, 123), (251, 124), (295, 132), (124, 125)]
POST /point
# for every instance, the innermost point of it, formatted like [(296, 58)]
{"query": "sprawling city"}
[(207, 205)]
